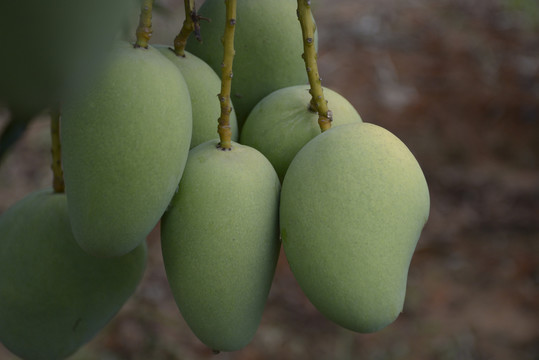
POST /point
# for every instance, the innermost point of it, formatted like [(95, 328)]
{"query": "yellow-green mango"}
[(54, 47), (220, 242), (204, 85), (54, 297), (268, 46), (353, 204), (124, 147), (282, 123)]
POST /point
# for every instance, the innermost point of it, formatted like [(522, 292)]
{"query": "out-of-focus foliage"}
[(528, 10)]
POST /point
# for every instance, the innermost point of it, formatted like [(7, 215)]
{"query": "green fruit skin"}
[(353, 204), (125, 145), (204, 85), (220, 243), (268, 47), (54, 297), (281, 123), (54, 48)]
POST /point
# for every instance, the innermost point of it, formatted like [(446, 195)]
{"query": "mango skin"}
[(124, 147), (281, 123), (54, 297), (204, 85), (353, 204), (220, 243), (53, 50), (268, 46)]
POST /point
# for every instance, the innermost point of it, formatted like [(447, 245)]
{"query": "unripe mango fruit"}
[(353, 204), (268, 45), (54, 297), (125, 145), (220, 243), (53, 48), (282, 123), (204, 85)]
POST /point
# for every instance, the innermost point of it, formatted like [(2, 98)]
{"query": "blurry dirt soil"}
[(458, 82)]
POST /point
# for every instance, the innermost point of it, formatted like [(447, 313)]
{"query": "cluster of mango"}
[(140, 146)]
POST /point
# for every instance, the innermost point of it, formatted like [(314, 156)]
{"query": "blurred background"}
[(458, 82)]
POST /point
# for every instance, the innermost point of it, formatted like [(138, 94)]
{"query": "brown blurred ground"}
[(458, 82)]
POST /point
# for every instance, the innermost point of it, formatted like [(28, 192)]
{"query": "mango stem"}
[(144, 28), (223, 129), (190, 24), (318, 102), (56, 151)]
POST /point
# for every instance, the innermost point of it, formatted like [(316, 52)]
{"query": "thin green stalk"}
[(224, 130), (318, 102), (144, 28), (190, 24), (56, 151)]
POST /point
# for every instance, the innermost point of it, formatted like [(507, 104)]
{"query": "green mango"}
[(282, 123), (268, 47), (54, 47), (54, 297), (220, 243), (204, 85), (124, 148), (353, 204)]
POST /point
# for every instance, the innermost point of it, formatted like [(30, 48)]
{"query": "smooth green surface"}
[(204, 85), (53, 47), (281, 123), (268, 45), (353, 204), (220, 243), (124, 147), (54, 297)]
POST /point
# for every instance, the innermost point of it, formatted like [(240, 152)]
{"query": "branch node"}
[(223, 129), (310, 57), (144, 28)]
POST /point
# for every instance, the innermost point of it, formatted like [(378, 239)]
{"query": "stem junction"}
[(318, 102), (144, 28), (190, 24), (224, 130)]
